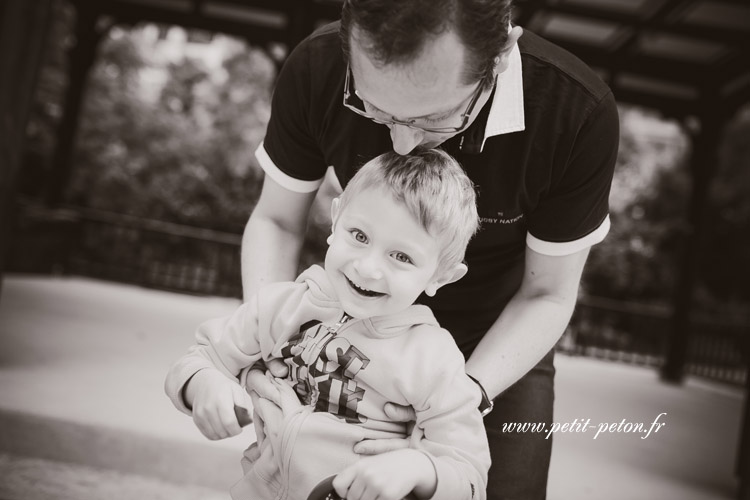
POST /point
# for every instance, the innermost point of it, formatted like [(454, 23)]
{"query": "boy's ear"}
[(335, 206), (503, 59), (445, 278)]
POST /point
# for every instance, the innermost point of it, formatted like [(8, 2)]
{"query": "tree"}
[(638, 260), (184, 156)]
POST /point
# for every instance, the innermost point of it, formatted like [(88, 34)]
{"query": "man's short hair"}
[(435, 190), (395, 31)]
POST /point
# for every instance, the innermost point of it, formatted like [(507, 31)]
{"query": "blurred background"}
[(129, 128)]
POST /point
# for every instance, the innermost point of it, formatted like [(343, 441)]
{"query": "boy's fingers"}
[(207, 428), (378, 446), (343, 480)]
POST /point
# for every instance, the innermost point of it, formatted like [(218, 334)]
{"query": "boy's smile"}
[(380, 258), (363, 291)]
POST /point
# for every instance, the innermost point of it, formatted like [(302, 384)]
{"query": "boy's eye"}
[(402, 257), (359, 236)]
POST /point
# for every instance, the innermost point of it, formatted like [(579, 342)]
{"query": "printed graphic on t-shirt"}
[(322, 367)]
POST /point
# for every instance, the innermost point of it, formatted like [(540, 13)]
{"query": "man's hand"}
[(396, 413), (214, 398), (390, 476), (257, 382)]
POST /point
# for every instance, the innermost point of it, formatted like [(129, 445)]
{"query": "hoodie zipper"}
[(340, 323)]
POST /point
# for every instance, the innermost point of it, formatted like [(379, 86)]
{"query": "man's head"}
[(423, 62), (400, 228)]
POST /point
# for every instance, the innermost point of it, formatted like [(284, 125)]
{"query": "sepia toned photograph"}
[(375, 249)]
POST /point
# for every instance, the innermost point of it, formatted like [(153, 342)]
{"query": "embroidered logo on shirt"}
[(322, 366), (501, 218)]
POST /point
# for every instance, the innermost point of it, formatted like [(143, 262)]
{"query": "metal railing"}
[(194, 260)]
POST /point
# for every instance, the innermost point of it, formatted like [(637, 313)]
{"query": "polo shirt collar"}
[(506, 114)]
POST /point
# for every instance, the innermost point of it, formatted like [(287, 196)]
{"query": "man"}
[(534, 128)]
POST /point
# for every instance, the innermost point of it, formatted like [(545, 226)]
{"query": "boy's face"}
[(380, 258)]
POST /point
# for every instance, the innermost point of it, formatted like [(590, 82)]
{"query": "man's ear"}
[(503, 59), (445, 278)]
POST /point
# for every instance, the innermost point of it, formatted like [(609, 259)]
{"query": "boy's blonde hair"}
[(435, 190)]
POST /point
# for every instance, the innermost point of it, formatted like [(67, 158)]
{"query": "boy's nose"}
[(405, 139), (368, 268)]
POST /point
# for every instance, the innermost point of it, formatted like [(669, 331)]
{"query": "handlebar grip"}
[(324, 491), (243, 417)]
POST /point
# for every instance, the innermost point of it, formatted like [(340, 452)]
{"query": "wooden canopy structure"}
[(690, 59)]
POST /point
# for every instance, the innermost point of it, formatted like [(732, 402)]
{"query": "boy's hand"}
[(388, 476), (214, 398)]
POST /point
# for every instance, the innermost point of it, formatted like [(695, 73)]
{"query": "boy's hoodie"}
[(344, 372)]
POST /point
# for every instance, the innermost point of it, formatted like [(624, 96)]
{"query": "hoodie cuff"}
[(177, 379), (450, 485)]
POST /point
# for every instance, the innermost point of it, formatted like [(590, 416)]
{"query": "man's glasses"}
[(354, 103)]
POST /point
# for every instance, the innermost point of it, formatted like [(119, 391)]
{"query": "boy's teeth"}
[(363, 290)]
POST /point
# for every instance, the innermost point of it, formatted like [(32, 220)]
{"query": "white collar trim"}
[(506, 113)]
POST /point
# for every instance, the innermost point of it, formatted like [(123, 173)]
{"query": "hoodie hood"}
[(321, 289)]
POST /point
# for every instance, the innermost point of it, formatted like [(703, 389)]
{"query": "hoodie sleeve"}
[(449, 422), (232, 343)]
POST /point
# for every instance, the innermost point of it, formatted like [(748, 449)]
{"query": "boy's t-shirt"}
[(541, 154)]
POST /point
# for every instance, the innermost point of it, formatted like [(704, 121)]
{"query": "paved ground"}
[(83, 415)]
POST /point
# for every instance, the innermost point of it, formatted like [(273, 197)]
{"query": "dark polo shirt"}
[(541, 154)]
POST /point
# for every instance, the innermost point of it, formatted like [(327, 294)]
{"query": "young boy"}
[(353, 339)]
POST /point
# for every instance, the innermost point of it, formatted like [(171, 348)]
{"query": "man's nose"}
[(405, 139)]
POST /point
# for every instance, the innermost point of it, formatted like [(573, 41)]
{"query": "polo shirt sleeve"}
[(575, 213), (289, 154)]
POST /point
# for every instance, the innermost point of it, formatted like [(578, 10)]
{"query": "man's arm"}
[(531, 323), (273, 237)]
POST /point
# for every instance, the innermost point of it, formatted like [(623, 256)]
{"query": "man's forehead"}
[(429, 85), (438, 57)]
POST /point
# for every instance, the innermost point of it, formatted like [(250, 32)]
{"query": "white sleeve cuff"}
[(556, 249), (283, 179)]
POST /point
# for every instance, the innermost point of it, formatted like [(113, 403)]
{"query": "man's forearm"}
[(269, 254), (525, 331), (531, 323)]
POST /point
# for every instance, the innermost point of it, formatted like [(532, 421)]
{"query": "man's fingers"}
[(287, 397), (399, 413), (259, 383), (378, 446), (277, 368)]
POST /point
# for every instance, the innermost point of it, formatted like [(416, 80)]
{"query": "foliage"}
[(184, 154), (726, 248), (638, 261)]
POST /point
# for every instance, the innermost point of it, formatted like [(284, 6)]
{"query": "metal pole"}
[(24, 25), (702, 165)]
